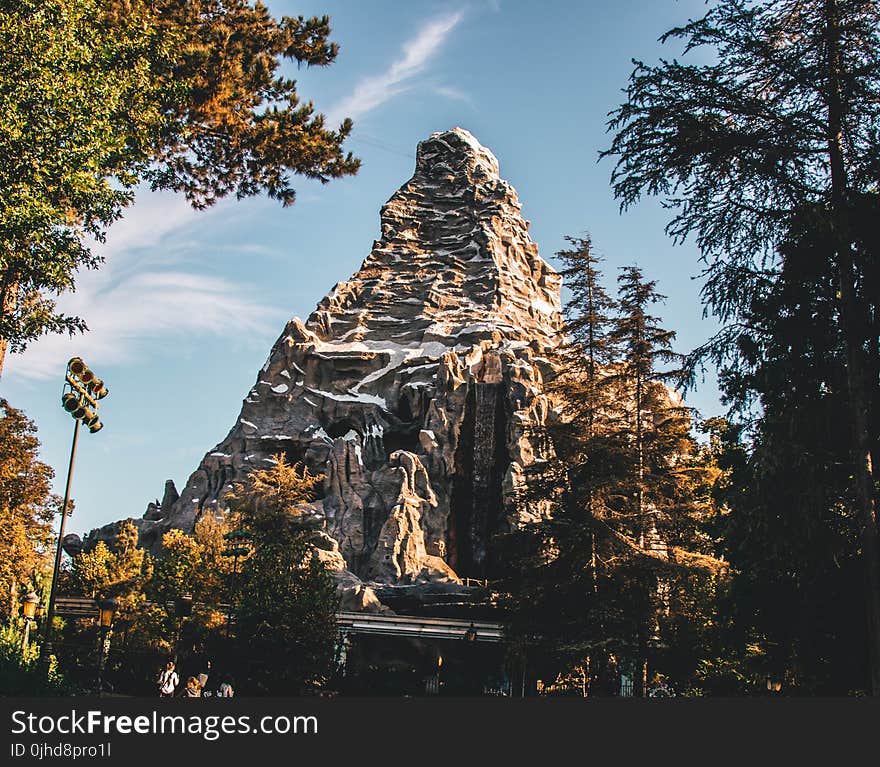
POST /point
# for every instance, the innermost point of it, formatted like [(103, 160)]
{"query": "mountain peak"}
[(415, 387), (455, 150), (454, 262)]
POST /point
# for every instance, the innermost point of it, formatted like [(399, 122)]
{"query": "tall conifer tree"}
[(781, 122), (554, 604), (620, 483)]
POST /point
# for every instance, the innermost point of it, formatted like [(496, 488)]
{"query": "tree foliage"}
[(736, 146), (790, 534), (80, 111), (237, 125), (147, 588), (283, 600), (121, 572), (194, 565), (286, 602), (97, 97), (627, 491), (27, 508), (21, 673), (772, 143)]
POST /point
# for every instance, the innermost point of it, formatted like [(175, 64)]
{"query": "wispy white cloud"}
[(455, 94), (372, 92), (143, 298)]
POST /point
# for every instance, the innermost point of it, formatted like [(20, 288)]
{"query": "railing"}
[(417, 626), (349, 622), (476, 582), (80, 607)]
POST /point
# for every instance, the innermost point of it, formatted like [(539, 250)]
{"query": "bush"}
[(20, 671)]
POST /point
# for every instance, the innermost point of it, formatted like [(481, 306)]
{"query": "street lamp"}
[(29, 609), (107, 609), (79, 397), (182, 609), (183, 606), (106, 612), (239, 545)]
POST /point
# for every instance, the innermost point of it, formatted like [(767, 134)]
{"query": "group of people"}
[(196, 686)]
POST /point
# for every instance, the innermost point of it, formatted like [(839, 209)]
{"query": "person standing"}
[(168, 681)]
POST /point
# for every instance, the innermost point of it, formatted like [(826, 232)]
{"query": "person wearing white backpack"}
[(168, 680)]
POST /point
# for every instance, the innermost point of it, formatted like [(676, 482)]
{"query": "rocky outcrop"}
[(413, 387)]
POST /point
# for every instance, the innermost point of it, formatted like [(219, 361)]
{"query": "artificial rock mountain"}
[(413, 387)]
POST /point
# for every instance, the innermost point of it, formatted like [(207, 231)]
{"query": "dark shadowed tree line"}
[(769, 158), (605, 582)]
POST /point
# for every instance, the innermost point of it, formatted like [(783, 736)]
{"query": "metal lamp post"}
[(471, 666), (106, 612), (29, 609), (182, 609), (239, 546), (82, 390)]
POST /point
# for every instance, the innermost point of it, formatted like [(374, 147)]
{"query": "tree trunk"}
[(866, 512), (591, 522), (640, 669), (854, 338), (8, 291)]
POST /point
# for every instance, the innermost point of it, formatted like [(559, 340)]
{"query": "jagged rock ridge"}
[(412, 387)]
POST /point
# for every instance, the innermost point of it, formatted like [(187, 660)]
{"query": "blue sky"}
[(188, 304)]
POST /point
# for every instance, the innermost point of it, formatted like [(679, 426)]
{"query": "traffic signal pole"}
[(46, 647)]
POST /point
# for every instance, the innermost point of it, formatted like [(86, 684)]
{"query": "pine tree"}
[(581, 432), (655, 429), (626, 487), (792, 544), (654, 419), (782, 123), (554, 603), (285, 616)]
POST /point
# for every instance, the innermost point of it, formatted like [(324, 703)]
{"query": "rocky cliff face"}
[(413, 385)]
